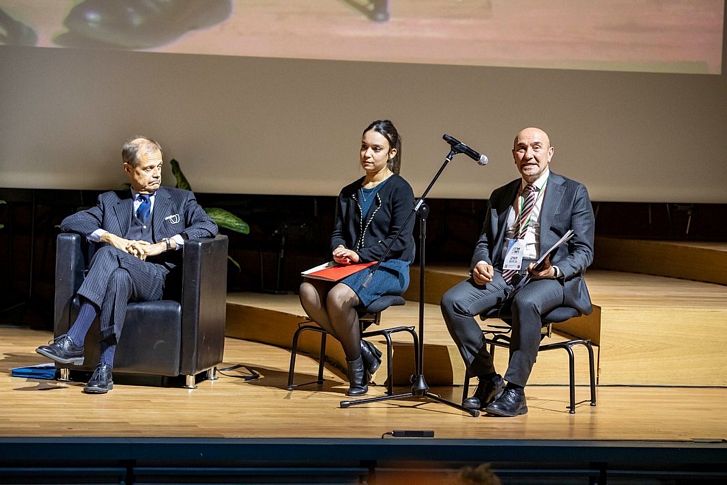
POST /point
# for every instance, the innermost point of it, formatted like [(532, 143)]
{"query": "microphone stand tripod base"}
[(419, 389)]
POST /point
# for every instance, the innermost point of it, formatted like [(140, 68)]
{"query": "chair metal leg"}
[(386, 333), (64, 375), (322, 358), (190, 382), (293, 353), (592, 368), (465, 386), (212, 374), (568, 346), (572, 377), (389, 364), (501, 340)]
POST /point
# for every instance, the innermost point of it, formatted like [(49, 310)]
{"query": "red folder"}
[(333, 271)]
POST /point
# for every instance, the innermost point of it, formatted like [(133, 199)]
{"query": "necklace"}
[(373, 183), (367, 192), (363, 191)]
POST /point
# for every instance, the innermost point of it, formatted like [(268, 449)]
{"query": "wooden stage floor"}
[(232, 408)]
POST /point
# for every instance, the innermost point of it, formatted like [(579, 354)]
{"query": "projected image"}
[(681, 36), (126, 24), (139, 24), (13, 32)]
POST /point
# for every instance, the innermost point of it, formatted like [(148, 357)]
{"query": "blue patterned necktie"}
[(144, 208)]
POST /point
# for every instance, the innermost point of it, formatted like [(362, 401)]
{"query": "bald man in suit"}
[(524, 218), (140, 231)]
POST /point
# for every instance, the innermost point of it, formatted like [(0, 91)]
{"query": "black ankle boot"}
[(371, 356), (357, 378)]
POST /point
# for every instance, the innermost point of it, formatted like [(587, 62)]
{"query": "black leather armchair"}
[(183, 334)]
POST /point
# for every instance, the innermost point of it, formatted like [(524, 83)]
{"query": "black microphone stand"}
[(419, 387)]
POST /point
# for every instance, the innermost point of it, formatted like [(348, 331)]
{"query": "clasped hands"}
[(143, 249), (483, 271), (139, 249), (341, 255)]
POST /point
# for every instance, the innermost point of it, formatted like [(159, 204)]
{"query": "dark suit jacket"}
[(175, 212), (566, 205)]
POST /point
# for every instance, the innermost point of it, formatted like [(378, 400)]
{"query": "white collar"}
[(135, 195)]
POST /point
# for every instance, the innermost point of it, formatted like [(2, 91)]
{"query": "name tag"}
[(514, 254)]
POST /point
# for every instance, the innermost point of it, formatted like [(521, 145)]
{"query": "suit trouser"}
[(462, 303), (114, 278)]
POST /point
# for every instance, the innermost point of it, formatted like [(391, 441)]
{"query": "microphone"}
[(460, 147)]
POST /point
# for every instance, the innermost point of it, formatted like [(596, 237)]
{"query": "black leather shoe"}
[(371, 356), (357, 378), (62, 350), (511, 403), (487, 391), (101, 381)]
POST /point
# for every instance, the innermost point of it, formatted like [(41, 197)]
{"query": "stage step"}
[(272, 319), (660, 331), (698, 261), (650, 330)]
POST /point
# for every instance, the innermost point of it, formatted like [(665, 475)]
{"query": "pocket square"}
[(173, 219)]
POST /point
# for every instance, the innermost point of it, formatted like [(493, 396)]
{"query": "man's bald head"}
[(532, 153)]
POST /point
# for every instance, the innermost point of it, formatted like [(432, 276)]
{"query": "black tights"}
[(333, 307)]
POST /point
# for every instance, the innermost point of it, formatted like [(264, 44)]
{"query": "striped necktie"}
[(530, 193)]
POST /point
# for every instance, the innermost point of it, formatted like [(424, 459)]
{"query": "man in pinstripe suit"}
[(524, 218), (141, 231)]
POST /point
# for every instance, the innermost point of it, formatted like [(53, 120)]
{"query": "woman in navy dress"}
[(372, 214)]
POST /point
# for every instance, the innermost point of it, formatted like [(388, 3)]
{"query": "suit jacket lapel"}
[(502, 208), (162, 208), (549, 211), (124, 210)]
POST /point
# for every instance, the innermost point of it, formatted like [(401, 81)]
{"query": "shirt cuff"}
[(177, 238), (95, 236)]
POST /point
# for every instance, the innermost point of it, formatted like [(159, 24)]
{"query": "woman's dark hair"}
[(388, 130)]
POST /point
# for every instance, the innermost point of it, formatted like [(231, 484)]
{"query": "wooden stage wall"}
[(648, 329)]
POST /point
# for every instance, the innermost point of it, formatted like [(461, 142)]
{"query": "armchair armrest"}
[(204, 297), (70, 266)]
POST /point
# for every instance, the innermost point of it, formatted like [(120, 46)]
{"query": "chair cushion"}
[(491, 313), (556, 315), (383, 303), (560, 314)]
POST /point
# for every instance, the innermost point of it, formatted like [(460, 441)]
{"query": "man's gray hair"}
[(136, 146)]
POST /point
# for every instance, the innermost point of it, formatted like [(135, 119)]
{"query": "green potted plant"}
[(223, 218)]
